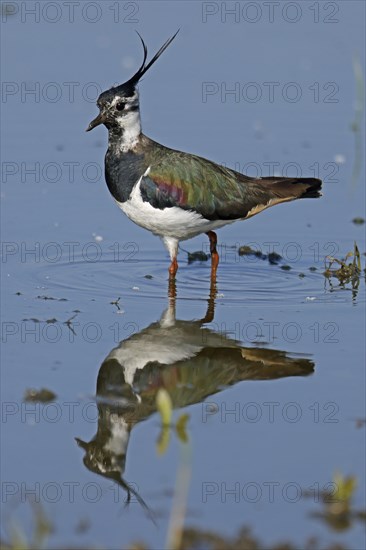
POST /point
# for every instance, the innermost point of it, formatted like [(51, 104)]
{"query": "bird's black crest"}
[(128, 88), (142, 70)]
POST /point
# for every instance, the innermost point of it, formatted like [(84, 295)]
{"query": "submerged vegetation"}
[(194, 538), (338, 511), (43, 395), (346, 273), (42, 528)]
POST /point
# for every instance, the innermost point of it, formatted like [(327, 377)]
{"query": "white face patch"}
[(131, 124), (120, 434), (132, 101), (128, 120)]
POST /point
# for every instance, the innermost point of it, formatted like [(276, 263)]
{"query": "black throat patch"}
[(122, 172)]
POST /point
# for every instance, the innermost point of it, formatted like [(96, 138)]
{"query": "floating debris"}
[(51, 298), (97, 238), (274, 258), (198, 256), (35, 320), (116, 303), (248, 251), (286, 267), (358, 221), (148, 277), (39, 396)]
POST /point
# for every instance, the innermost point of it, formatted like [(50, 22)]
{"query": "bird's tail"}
[(293, 188), (266, 192)]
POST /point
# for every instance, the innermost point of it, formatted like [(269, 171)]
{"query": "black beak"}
[(98, 120), (81, 443)]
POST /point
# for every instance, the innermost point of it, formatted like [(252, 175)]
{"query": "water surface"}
[(269, 365)]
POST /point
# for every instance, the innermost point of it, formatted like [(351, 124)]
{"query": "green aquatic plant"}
[(346, 272), (18, 540), (164, 407), (338, 511), (345, 488)]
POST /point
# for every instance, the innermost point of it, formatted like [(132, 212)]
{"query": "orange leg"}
[(172, 290), (173, 268), (214, 254)]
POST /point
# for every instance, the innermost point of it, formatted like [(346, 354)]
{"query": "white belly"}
[(171, 222)]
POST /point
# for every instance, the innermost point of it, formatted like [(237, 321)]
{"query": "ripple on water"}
[(238, 282)]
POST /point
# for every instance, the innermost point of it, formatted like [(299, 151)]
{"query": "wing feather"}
[(194, 183)]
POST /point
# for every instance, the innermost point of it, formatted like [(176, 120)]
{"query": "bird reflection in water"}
[(188, 359)]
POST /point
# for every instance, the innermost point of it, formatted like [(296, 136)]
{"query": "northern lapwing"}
[(184, 357), (173, 194)]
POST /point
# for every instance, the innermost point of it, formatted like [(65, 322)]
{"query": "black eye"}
[(120, 106)]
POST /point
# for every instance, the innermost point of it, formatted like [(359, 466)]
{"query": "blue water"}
[(63, 238)]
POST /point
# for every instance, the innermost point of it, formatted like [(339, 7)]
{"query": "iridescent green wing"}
[(193, 183)]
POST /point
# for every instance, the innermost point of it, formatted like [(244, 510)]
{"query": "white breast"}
[(167, 222), (154, 346)]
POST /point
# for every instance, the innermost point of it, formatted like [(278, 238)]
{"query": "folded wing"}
[(215, 192)]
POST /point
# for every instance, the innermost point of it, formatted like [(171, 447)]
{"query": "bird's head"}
[(119, 106)]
